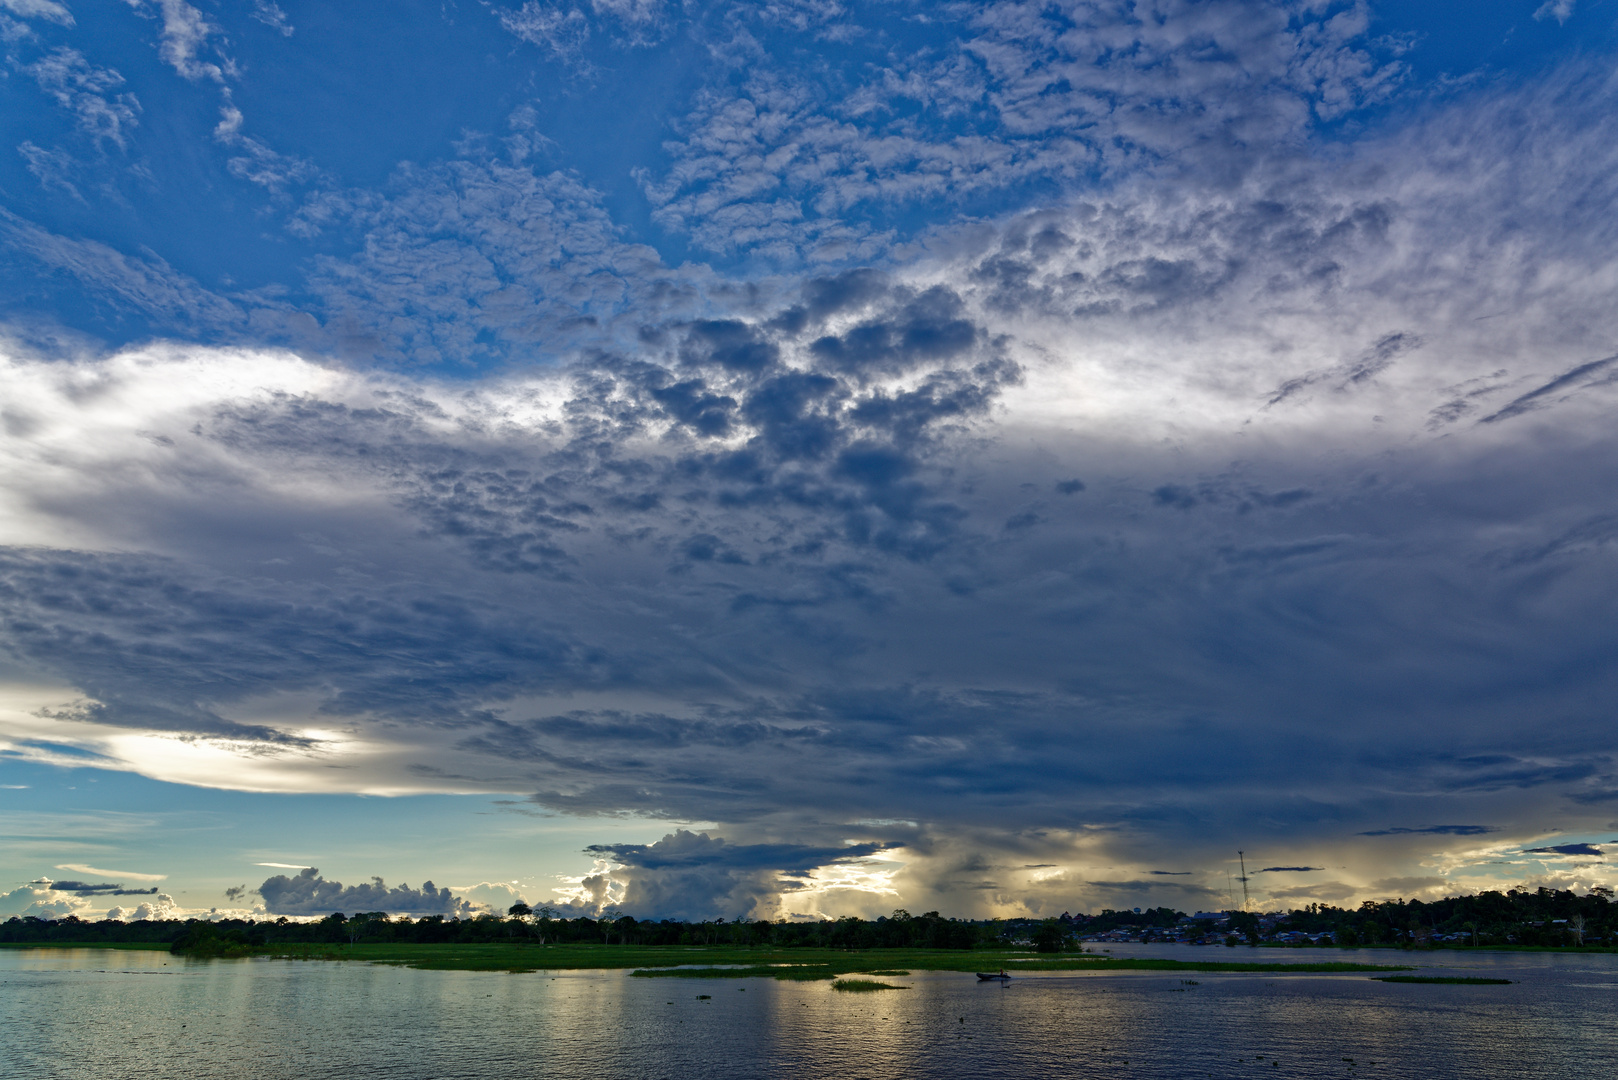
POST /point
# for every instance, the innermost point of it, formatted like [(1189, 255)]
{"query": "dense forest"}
[(1545, 918)]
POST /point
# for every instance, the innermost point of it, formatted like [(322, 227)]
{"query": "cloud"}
[(84, 888), (548, 25), (483, 494), (1328, 891), (493, 896), (37, 900), (1560, 10), (271, 15), (311, 894), (781, 164), (185, 33), (1187, 890), (162, 907), (1288, 869), (697, 876), (48, 10), (1565, 849), (1436, 830), (85, 90), (80, 868)]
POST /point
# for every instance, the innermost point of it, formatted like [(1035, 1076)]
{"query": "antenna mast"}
[(1243, 858)]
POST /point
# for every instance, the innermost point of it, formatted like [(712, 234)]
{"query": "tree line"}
[(1544, 917)]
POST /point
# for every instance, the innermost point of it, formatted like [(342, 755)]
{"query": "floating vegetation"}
[(804, 973), (863, 985), (894, 973), (1452, 980)]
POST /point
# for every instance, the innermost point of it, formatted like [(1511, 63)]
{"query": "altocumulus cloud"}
[(488, 496)]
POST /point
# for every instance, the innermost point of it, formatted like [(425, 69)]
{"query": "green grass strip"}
[(864, 985)]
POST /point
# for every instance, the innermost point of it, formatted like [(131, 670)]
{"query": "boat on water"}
[(997, 975)]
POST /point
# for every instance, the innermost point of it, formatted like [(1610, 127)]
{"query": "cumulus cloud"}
[(310, 894), (492, 896), (40, 901), (697, 876)]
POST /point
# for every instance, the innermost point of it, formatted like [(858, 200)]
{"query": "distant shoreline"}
[(706, 961)]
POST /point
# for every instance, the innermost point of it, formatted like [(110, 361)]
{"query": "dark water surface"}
[(102, 1014)]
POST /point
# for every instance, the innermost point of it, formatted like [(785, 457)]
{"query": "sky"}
[(804, 458)]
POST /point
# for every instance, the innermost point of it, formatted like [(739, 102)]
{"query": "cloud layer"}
[(1098, 439)]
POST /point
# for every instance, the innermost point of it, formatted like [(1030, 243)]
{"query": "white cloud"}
[(36, 899), (39, 9), (185, 33), (548, 25), (80, 868), (82, 88), (52, 168), (1560, 10), (161, 906), (271, 15), (492, 896), (1034, 94)]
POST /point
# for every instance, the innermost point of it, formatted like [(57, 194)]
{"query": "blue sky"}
[(804, 458)]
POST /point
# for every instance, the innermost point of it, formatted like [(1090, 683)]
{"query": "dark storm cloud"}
[(84, 888), (310, 894), (161, 649), (1565, 849), (786, 555), (1595, 373), (689, 874), (924, 328)]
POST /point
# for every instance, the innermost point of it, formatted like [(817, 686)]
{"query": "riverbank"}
[(739, 961), (141, 946)]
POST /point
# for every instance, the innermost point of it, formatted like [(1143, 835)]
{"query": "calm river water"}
[(102, 1014)]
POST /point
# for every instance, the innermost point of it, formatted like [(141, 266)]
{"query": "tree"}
[(1049, 936), (607, 922)]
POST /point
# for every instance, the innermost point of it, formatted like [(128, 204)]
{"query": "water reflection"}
[(96, 1014)]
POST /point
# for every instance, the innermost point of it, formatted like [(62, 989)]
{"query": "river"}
[(92, 1014)]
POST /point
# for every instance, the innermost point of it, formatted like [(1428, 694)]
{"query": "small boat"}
[(996, 975)]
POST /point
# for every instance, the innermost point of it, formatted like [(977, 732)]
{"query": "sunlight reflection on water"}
[(99, 1014)]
